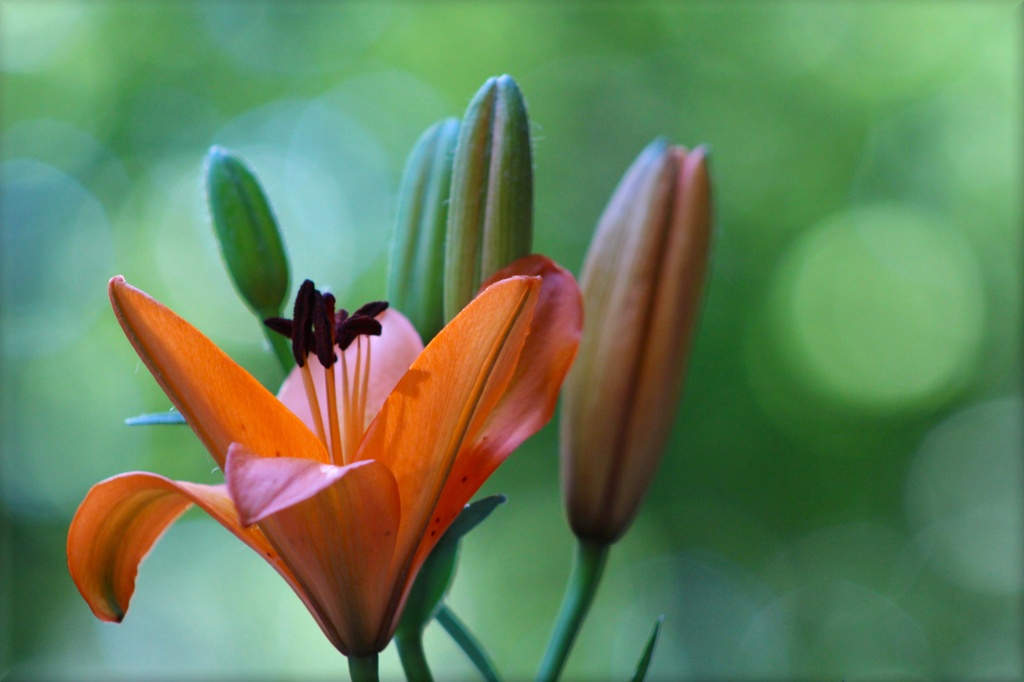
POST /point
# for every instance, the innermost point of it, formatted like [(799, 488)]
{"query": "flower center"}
[(316, 328)]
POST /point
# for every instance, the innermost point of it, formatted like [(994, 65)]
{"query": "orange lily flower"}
[(345, 481)]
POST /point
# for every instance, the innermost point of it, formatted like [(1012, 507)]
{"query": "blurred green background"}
[(842, 496)]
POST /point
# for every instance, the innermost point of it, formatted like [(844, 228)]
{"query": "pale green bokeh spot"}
[(881, 309), (963, 497), (34, 32)]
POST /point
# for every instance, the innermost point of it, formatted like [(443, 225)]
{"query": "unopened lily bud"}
[(490, 222), (247, 232), (641, 284), (416, 277)]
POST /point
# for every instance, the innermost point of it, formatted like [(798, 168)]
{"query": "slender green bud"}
[(490, 222), (247, 231), (416, 277)]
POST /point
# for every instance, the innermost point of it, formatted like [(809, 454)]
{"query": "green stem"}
[(579, 593), (282, 350), (414, 660), (458, 631), (363, 668)]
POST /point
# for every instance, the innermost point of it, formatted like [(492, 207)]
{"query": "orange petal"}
[(530, 398), (121, 519), (423, 423), (335, 527), (529, 401), (261, 486), (393, 352), (222, 402)]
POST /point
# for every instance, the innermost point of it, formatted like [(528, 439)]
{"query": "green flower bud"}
[(247, 231), (416, 277), (490, 222)]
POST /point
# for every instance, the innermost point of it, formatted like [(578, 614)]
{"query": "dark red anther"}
[(281, 325), (315, 327), (323, 328), (372, 309), (363, 321)]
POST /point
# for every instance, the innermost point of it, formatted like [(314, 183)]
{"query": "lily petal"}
[(531, 396), (222, 402), (261, 486), (393, 352), (121, 519), (422, 425), (336, 528)]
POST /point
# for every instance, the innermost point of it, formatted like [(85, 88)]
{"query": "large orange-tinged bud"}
[(642, 284)]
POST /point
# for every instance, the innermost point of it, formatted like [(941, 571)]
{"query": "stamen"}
[(346, 396), (314, 404), (361, 322), (315, 327), (366, 384), (302, 322), (325, 351), (280, 325), (357, 394)]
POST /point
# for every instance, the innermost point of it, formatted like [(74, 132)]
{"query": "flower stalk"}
[(363, 668), (642, 284), (587, 569)]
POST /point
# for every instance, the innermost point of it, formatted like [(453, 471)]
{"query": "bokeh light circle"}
[(880, 309), (964, 497), (55, 253)]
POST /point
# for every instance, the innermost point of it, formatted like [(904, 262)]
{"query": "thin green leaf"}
[(435, 577), (645, 659), (155, 418), (471, 516), (469, 644)]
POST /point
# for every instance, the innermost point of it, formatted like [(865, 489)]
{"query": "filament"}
[(332, 415), (314, 404)]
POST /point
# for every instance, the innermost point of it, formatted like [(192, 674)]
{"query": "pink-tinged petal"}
[(393, 352), (423, 423), (337, 535), (222, 402), (529, 401), (121, 519), (261, 486)]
